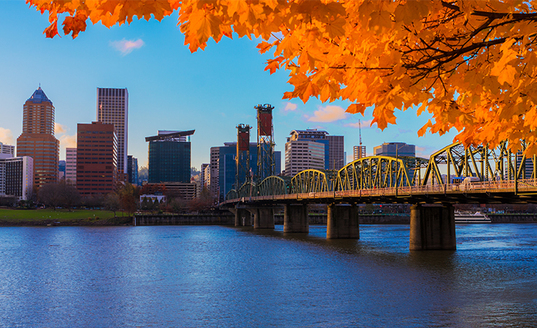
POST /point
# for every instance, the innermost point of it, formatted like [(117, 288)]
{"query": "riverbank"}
[(62, 217)]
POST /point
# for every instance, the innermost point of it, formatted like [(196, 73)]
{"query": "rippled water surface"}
[(191, 276)]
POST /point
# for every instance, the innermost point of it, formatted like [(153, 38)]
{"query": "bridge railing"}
[(507, 186)]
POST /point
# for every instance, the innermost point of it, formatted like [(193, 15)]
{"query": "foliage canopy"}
[(470, 63)]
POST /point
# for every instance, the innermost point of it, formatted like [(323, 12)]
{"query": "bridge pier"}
[(342, 222), (295, 218), (242, 217), (263, 217), (432, 227)]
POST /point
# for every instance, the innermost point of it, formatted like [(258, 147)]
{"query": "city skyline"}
[(169, 88)]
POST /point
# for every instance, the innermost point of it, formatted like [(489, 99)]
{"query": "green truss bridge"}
[(453, 174)]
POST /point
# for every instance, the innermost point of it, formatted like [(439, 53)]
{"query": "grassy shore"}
[(46, 217)]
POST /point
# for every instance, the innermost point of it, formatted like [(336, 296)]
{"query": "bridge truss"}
[(480, 163)]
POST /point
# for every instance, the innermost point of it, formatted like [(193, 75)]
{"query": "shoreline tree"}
[(471, 64)]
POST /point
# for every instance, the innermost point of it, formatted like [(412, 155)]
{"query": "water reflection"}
[(225, 276)]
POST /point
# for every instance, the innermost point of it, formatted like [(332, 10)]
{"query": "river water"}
[(203, 276)]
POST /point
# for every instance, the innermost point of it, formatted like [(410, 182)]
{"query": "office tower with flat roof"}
[(169, 157), (132, 169), (303, 155), (358, 152), (205, 172), (113, 108), (16, 176), (214, 180), (395, 149), (70, 165), (37, 139), (61, 170), (336, 152), (7, 149), (96, 160), (315, 136)]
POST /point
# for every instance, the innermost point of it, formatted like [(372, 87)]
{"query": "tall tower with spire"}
[(37, 139)]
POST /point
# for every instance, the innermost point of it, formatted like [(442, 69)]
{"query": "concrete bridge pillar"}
[(242, 217), (432, 227), (342, 222), (263, 217), (295, 218)]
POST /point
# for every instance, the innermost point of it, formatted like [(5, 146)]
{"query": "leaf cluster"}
[(471, 63)]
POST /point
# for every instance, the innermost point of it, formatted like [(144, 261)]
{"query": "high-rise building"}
[(224, 167), (96, 160), (169, 157), (214, 184), (7, 149), (222, 172), (336, 152), (316, 136), (303, 155), (205, 175), (37, 139), (16, 176), (70, 165), (113, 108), (395, 149), (358, 152), (300, 142), (132, 169), (61, 170)]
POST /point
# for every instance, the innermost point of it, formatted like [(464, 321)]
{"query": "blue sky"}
[(211, 91)]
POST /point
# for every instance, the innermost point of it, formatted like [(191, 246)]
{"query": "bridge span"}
[(454, 174)]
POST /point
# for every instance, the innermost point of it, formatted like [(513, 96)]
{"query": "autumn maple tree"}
[(471, 64)]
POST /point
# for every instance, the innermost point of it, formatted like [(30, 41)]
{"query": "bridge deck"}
[(521, 191)]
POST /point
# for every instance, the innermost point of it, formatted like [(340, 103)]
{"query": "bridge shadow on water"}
[(380, 243)]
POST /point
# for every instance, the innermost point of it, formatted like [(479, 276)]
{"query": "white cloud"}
[(6, 137), (290, 107), (126, 46), (328, 114), (365, 124), (59, 129), (67, 141)]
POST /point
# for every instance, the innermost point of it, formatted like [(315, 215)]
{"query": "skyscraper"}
[(336, 151), (132, 169), (169, 157), (113, 108), (303, 147), (96, 162), (303, 155), (70, 165), (37, 139), (224, 167)]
